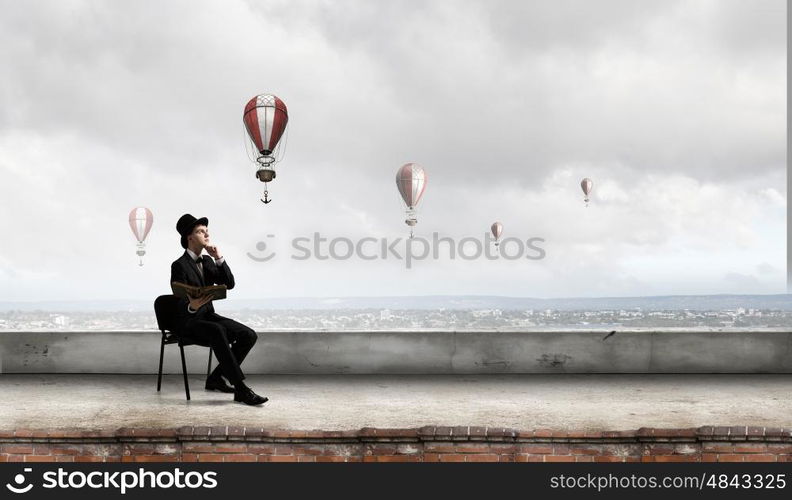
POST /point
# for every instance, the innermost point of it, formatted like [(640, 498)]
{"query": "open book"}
[(217, 292)]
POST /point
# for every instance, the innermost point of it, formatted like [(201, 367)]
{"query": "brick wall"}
[(427, 444)]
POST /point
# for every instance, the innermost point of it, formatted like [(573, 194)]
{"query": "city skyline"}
[(373, 320)]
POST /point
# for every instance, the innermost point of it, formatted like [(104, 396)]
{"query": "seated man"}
[(197, 319)]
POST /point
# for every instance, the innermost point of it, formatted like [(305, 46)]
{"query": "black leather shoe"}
[(249, 397), (218, 384)]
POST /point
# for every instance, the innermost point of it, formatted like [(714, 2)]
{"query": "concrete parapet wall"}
[(413, 352)]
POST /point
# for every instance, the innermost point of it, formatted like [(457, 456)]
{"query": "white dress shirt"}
[(194, 257)]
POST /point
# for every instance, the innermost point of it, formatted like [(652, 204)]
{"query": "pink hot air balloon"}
[(497, 229), (140, 220), (411, 181), (265, 118), (586, 185)]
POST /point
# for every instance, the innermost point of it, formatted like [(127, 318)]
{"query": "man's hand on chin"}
[(213, 252)]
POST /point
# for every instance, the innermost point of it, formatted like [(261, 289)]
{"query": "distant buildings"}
[(416, 319)]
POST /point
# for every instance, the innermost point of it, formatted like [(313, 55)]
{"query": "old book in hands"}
[(217, 292)]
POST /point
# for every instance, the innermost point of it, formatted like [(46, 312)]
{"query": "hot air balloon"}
[(411, 181), (586, 185), (140, 220), (265, 120), (497, 229)]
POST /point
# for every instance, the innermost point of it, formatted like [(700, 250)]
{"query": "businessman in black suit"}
[(196, 318)]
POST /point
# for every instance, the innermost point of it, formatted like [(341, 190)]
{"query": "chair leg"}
[(162, 353), (184, 371), (209, 367)]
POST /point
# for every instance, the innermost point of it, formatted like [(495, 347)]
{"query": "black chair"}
[(165, 309)]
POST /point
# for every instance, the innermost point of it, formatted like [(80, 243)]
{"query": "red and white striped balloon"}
[(265, 119), (411, 181), (586, 185), (140, 220), (497, 229)]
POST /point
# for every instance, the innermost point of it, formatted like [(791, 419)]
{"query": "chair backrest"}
[(165, 309)]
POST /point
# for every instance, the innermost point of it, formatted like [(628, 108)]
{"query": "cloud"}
[(675, 109), (765, 268)]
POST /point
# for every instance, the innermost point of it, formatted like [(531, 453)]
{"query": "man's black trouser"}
[(229, 339)]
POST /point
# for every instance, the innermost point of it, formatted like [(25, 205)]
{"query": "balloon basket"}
[(411, 219), (265, 174), (141, 251)]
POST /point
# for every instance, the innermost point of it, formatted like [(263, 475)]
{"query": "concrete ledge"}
[(414, 352), (740, 434)]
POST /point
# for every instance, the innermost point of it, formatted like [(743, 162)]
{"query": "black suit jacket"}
[(185, 270)]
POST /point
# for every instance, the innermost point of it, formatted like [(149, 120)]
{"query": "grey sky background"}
[(676, 110)]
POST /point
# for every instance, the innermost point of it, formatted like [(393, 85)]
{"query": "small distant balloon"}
[(497, 229), (140, 220), (586, 185), (411, 181)]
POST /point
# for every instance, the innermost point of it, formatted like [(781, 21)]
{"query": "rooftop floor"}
[(347, 402)]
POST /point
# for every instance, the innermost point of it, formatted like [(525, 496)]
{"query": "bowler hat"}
[(186, 224)]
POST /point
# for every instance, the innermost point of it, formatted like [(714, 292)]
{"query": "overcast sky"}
[(676, 110)]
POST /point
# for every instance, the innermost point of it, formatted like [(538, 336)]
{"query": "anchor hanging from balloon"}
[(140, 220), (411, 181), (265, 118)]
